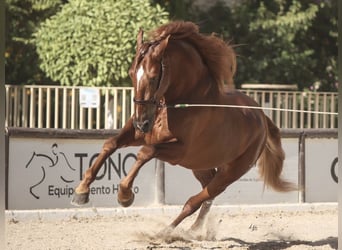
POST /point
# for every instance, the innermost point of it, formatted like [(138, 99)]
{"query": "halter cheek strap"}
[(164, 81), (163, 85)]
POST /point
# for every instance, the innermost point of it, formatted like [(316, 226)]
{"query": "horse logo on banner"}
[(45, 163)]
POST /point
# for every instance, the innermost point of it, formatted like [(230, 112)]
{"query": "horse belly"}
[(224, 145), (209, 155), (214, 137)]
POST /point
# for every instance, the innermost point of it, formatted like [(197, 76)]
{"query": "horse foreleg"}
[(124, 138), (125, 194), (204, 177)]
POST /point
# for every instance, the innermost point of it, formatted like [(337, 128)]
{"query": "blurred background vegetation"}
[(92, 43)]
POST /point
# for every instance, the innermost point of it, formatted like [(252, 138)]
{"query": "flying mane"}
[(217, 55)]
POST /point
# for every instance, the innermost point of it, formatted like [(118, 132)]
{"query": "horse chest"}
[(160, 132)]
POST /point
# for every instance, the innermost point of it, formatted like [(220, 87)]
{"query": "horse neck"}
[(189, 77)]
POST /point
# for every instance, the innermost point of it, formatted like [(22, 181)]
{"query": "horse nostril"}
[(143, 126)]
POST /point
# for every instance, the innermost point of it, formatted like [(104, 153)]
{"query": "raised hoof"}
[(128, 202), (80, 199)]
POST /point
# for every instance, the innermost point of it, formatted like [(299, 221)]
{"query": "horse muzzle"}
[(143, 126), (146, 108)]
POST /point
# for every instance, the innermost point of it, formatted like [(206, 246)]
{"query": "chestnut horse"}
[(219, 145)]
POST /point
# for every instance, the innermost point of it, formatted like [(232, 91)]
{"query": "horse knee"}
[(109, 146), (146, 153)]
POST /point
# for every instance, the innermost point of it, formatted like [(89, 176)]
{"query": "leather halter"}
[(145, 102), (152, 101)]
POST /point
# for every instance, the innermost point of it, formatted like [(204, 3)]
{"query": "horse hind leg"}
[(216, 186), (225, 175), (204, 177)]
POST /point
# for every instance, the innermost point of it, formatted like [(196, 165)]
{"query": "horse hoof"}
[(195, 228), (166, 232), (127, 203), (80, 199)]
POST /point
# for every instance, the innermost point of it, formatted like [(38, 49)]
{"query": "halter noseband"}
[(150, 102), (145, 102)]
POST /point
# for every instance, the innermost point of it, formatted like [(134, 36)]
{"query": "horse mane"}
[(219, 56)]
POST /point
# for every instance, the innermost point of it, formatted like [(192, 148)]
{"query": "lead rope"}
[(185, 105)]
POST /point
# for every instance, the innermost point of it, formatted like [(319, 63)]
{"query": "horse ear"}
[(159, 50), (140, 38)]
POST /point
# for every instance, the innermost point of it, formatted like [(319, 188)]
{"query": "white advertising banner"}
[(44, 172), (321, 170), (249, 189)]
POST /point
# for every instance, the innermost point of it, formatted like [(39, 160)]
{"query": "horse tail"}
[(271, 161)]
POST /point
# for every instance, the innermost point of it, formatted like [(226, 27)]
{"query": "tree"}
[(277, 41), (92, 43), (275, 50), (323, 41), (178, 9), (22, 19)]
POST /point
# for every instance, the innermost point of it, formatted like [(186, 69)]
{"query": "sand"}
[(246, 229)]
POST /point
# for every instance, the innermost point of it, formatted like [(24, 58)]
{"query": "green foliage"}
[(278, 41), (272, 54), (92, 43), (42, 5), (22, 19), (323, 34), (179, 9)]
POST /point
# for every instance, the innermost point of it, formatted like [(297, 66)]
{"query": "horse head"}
[(150, 80), (178, 65)]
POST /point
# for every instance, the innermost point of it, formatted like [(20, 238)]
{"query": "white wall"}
[(320, 170)]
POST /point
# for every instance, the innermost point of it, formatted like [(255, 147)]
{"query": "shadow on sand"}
[(235, 243), (283, 244)]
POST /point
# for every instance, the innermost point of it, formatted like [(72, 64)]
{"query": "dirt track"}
[(246, 230)]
